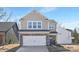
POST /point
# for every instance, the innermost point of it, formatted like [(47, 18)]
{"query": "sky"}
[(68, 17)]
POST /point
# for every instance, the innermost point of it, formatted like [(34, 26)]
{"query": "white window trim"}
[(32, 25), (48, 26), (27, 25)]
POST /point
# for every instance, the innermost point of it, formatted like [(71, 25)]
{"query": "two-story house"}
[(37, 30)]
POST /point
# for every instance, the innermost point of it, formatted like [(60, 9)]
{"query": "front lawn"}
[(72, 48), (64, 48), (54, 48), (9, 48)]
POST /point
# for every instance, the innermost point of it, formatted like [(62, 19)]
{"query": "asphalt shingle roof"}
[(4, 26)]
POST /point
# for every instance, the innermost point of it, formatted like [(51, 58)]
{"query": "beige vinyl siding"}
[(45, 23), (36, 17), (24, 23)]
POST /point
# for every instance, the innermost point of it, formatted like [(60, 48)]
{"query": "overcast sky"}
[(66, 16)]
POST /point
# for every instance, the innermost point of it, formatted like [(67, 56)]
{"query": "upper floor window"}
[(50, 27), (39, 24), (29, 24), (34, 24)]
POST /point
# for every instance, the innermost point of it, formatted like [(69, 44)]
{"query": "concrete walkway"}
[(33, 49)]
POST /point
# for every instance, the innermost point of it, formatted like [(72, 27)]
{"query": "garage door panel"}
[(34, 40)]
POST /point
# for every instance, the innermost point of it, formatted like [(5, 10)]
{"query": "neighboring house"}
[(8, 33), (37, 30), (63, 36), (75, 36), (72, 34)]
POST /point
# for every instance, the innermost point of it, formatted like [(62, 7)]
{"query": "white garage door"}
[(34, 40)]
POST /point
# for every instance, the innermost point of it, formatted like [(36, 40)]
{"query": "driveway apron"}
[(33, 49)]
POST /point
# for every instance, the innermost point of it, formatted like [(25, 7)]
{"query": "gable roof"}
[(69, 30), (52, 20), (35, 13), (5, 26)]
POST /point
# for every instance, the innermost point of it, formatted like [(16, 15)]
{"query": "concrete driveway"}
[(33, 49)]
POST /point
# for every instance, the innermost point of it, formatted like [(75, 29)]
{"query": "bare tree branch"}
[(4, 16), (8, 17)]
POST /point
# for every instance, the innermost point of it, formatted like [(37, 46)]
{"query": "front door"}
[(52, 40)]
